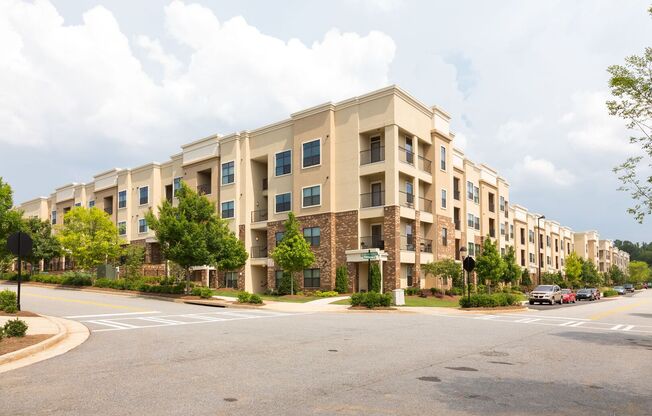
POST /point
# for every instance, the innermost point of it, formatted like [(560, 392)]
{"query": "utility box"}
[(106, 271), (398, 296)]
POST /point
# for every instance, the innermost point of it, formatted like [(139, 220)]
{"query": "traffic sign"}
[(20, 244), (469, 264), (370, 255)]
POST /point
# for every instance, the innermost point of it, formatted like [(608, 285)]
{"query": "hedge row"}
[(483, 300), (371, 300)]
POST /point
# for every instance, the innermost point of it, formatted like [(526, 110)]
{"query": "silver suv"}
[(546, 294)]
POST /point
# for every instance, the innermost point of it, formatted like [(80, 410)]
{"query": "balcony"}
[(258, 252), (372, 242), (259, 215), (372, 199), (424, 164), (405, 199), (456, 194), (376, 154), (426, 245), (425, 205), (407, 243), (204, 189), (405, 155), (492, 232), (458, 225), (109, 210), (265, 185)]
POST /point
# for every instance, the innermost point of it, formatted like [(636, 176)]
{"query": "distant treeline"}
[(637, 251)]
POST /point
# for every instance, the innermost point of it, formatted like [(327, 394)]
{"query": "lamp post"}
[(539, 247), (465, 275)]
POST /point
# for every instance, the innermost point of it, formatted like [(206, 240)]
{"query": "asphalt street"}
[(151, 357)]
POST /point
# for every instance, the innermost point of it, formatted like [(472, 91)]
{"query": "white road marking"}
[(546, 316), (576, 324), (615, 327), (160, 320), (113, 324), (111, 314), (628, 328), (567, 323)]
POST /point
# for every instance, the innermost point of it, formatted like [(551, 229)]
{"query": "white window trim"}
[(222, 175), (441, 194), (320, 154), (445, 158), (222, 210), (174, 191), (146, 226), (126, 200), (139, 188), (283, 212), (291, 155), (320, 196)]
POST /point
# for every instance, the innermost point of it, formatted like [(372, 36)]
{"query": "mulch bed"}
[(16, 343), (19, 313)]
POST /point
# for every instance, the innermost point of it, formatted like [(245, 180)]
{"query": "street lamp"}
[(539, 247), (466, 283)]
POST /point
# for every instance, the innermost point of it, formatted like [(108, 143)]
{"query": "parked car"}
[(568, 296), (596, 292), (621, 290), (546, 294), (629, 287), (585, 294)]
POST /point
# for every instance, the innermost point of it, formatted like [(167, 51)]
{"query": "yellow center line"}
[(617, 310), (86, 302)]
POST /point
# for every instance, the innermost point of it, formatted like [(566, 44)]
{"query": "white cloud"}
[(515, 131), (541, 172)]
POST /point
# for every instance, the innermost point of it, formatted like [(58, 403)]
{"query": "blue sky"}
[(89, 85)]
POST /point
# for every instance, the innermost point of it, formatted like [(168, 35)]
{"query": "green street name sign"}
[(369, 255)]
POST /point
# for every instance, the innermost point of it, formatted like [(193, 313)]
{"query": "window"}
[(477, 223), (228, 209), (311, 153), (490, 203), (176, 185), (283, 163), (409, 151), (409, 193), (54, 217), (311, 278), (476, 194), (469, 190), (78, 204), (470, 220), (442, 156), (531, 236), (548, 260), (278, 275), (122, 228), (502, 203), (312, 196), (522, 231), (532, 258), (228, 173), (231, 279), (556, 245), (502, 229), (443, 198), (143, 194), (444, 236), (91, 204), (522, 257), (477, 249), (122, 199), (511, 231), (502, 251), (547, 241), (471, 249), (409, 274), (312, 235), (283, 202), (142, 225), (278, 236)]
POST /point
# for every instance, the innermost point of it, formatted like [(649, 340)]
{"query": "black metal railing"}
[(109, 210), (372, 199), (258, 252), (405, 155), (458, 225), (372, 242), (407, 243), (373, 155), (426, 245), (406, 199), (492, 232), (204, 189), (425, 164), (425, 205), (456, 194), (259, 215)]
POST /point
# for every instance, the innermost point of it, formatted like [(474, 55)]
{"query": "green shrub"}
[(434, 291), (609, 293), (412, 291), (9, 276), (325, 294), (484, 300), (7, 300), (638, 286), (2, 333), (375, 278), (244, 297), (341, 280), (15, 328), (271, 292), (458, 291), (371, 300), (11, 309), (68, 279), (203, 292), (256, 299), (284, 285)]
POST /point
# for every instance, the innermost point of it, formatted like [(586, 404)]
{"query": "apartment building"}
[(377, 173)]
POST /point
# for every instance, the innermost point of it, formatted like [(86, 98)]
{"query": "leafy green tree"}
[(590, 276), (45, 246), (573, 270), (526, 280), (134, 257), (489, 265), (293, 253), (631, 88), (342, 280), (90, 237), (551, 278), (192, 234), (615, 276), (639, 272), (446, 268), (287, 283), (512, 270), (10, 222), (375, 278)]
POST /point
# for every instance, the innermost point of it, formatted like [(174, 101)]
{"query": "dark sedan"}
[(585, 294), (629, 287)]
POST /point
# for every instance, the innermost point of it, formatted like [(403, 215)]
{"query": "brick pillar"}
[(272, 229), (416, 273), (346, 238), (392, 267)]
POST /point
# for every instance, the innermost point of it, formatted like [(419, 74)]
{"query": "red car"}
[(567, 296)]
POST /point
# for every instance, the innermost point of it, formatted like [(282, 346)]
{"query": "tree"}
[(90, 237), (447, 269), (590, 276), (639, 272), (192, 234), (615, 276), (45, 246), (526, 280), (375, 278), (573, 270), (293, 253), (134, 257), (551, 278), (342, 280), (512, 270), (631, 87), (489, 265), (10, 222)]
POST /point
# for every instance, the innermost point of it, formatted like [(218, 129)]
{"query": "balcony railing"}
[(426, 245), (456, 194), (372, 199), (109, 210), (405, 155), (406, 200), (376, 154), (372, 242), (258, 252), (458, 225), (259, 215), (425, 205), (425, 164), (407, 243), (265, 185), (204, 189), (492, 232)]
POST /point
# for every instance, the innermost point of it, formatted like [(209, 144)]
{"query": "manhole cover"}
[(462, 368), (429, 378), (230, 399)]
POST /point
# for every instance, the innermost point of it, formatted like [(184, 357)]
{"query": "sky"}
[(88, 85)]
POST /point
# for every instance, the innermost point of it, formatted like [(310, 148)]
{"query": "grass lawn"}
[(430, 301), (286, 298)]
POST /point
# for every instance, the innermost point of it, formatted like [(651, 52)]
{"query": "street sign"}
[(370, 255), (469, 264), (20, 244)]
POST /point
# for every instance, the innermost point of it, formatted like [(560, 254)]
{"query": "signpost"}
[(369, 255), (20, 244), (469, 265)]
